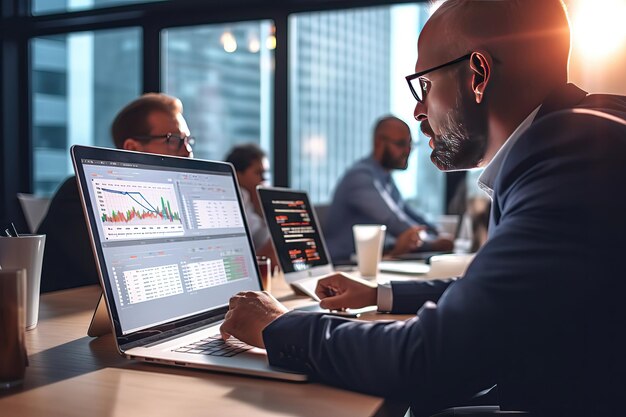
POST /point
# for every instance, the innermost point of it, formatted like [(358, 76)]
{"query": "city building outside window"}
[(224, 76), (79, 82)]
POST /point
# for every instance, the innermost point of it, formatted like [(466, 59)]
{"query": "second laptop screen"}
[(294, 231)]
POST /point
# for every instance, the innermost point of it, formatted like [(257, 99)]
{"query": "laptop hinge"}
[(152, 339)]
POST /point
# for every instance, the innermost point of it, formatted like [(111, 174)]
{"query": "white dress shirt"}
[(488, 178)]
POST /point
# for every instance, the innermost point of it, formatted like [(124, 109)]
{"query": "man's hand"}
[(248, 314), (407, 241), (340, 291), (442, 244)]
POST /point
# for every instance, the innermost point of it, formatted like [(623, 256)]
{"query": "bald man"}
[(367, 194), (540, 313)]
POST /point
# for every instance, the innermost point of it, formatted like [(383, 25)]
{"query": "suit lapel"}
[(562, 98)]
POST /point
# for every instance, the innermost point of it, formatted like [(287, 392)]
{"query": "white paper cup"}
[(25, 252), (368, 240), (449, 265), (447, 225)]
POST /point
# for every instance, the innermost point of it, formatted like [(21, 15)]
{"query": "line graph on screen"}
[(130, 209)]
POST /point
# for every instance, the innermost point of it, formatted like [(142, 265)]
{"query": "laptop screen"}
[(173, 240), (294, 231)]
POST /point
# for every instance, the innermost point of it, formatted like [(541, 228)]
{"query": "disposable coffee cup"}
[(368, 240), (447, 225), (13, 357), (25, 252), (265, 269), (449, 265)]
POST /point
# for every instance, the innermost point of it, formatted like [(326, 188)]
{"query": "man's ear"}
[(480, 63), (132, 145), (378, 147)]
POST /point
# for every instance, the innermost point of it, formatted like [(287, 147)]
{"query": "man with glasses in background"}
[(367, 194), (153, 123)]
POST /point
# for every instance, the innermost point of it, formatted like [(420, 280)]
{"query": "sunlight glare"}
[(599, 27)]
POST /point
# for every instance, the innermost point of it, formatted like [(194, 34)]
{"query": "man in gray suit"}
[(540, 312)]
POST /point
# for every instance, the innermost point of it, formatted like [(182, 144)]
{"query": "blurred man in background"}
[(251, 166)]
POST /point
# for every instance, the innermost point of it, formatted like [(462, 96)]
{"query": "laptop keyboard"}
[(216, 346)]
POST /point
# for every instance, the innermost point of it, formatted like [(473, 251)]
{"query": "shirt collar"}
[(487, 179)]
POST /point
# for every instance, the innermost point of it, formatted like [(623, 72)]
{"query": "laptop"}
[(172, 245), (299, 242), (296, 237)]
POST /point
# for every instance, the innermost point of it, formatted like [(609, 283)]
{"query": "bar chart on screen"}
[(137, 210)]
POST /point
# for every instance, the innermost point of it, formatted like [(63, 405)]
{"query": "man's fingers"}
[(224, 332), (236, 299), (325, 291), (332, 285), (320, 291), (324, 286), (334, 303), (226, 327), (249, 294)]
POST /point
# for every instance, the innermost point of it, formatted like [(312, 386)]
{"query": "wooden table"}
[(71, 374)]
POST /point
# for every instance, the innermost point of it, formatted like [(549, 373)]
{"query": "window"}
[(223, 74), (346, 70), (79, 82), (59, 6)]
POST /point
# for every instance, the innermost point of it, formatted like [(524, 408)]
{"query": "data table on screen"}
[(215, 214), (152, 283)]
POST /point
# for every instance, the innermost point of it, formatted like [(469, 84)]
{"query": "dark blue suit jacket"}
[(541, 312)]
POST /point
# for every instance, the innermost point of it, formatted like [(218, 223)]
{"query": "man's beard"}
[(463, 143), (387, 161)]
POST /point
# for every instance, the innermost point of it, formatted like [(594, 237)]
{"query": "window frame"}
[(18, 27)]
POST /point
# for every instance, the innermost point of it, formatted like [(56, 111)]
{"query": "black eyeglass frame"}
[(411, 77), (191, 140)]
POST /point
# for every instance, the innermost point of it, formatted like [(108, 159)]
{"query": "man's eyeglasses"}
[(170, 139), (419, 86)]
